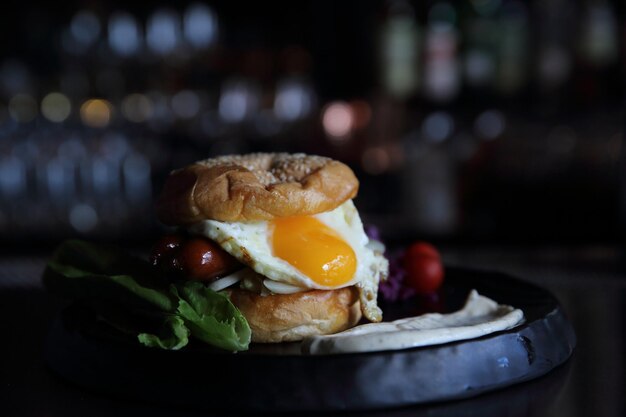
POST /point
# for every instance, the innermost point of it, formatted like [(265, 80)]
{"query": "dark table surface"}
[(589, 281)]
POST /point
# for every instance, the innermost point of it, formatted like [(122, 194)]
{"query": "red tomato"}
[(202, 259), (424, 270), (422, 249), (164, 248)]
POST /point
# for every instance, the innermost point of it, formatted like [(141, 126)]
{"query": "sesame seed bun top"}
[(259, 186)]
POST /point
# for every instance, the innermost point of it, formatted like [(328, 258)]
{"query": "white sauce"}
[(480, 316)]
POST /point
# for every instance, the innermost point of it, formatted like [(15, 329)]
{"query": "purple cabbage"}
[(394, 288), (373, 232)]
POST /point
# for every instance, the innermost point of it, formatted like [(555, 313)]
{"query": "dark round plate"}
[(279, 378)]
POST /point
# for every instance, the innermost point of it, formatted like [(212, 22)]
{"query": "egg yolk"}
[(314, 249)]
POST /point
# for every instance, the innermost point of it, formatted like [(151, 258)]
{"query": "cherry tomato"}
[(424, 270), (164, 248), (422, 249), (201, 259)]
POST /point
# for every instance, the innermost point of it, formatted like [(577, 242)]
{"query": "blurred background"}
[(477, 121), (494, 128)]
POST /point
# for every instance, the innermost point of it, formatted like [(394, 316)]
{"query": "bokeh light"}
[(124, 34), (338, 120), (85, 27), (437, 126), (163, 31), (375, 160), (162, 116), (554, 65), (114, 146), (479, 67), (96, 113), (490, 124), (12, 176), (23, 108), (293, 101), (72, 149), (237, 102), (186, 104), (137, 108), (362, 113), (83, 218), (56, 107), (136, 171), (200, 25)]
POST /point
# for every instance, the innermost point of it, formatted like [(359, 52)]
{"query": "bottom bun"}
[(292, 317)]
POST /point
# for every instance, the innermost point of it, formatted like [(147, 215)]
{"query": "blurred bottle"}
[(400, 51), (480, 58), (442, 79), (597, 52), (598, 44), (430, 178), (556, 24), (512, 47)]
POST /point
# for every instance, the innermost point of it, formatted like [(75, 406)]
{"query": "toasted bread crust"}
[(292, 317), (259, 186)]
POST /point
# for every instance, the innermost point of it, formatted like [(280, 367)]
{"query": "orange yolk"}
[(314, 249)]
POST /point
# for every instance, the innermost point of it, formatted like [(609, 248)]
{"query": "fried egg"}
[(324, 251)]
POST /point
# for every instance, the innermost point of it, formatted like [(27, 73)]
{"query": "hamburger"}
[(279, 235)]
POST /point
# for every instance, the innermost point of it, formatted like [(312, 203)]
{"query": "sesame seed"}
[(273, 168)]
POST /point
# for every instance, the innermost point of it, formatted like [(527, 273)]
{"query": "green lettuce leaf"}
[(131, 295), (211, 317), (173, 335), (76, 271)]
